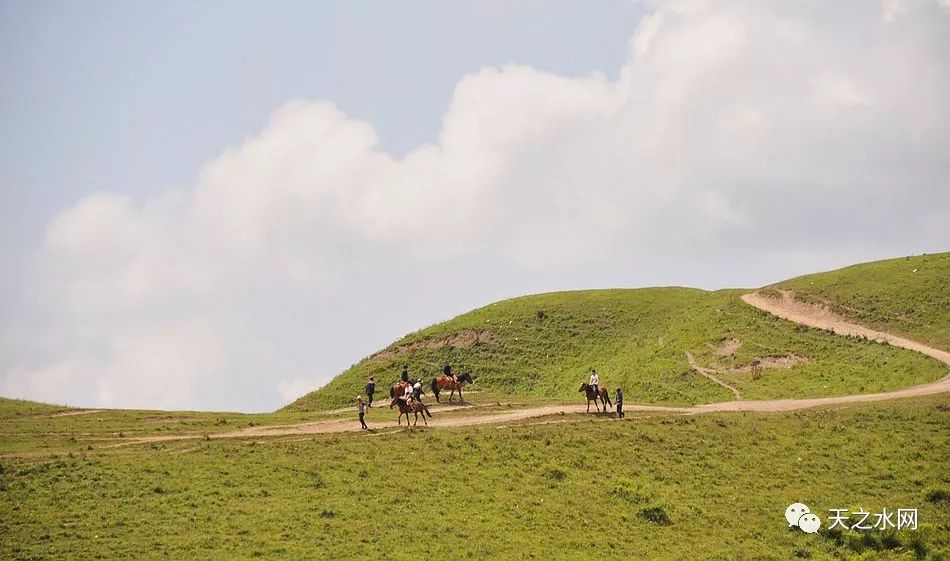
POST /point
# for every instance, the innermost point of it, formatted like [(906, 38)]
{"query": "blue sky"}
[(253, 196)]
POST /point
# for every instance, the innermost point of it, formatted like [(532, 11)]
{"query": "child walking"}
[(619, 401), (361, 407)]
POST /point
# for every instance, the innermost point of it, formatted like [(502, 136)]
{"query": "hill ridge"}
[(541, 346)]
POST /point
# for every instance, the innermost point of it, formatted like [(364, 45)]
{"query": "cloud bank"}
[(746, 136)]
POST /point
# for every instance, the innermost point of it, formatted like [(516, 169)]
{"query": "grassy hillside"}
[(699, 487), (542, 346), (16, 408), (908, 296)]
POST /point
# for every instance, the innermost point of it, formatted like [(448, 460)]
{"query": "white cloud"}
[(737, 131)]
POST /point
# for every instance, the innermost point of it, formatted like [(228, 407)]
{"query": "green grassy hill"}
[(907, 296), (13, 408), (542, 346)]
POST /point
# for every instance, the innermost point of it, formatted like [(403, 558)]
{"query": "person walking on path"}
[(370, 390), (361, 407), (619, 401)]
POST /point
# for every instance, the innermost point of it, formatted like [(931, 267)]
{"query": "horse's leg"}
[(451, 395), (588, 406), (462, 399)]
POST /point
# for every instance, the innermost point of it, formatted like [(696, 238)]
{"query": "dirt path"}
[(383, 403), (711, 374), (351, 425), (786, 307), (73, 413), (823, 318)]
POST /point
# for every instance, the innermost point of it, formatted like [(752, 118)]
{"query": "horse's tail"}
[(607, 396), (434, 386), (392, 392)]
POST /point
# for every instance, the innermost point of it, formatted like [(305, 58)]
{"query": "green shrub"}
[(655, 515)]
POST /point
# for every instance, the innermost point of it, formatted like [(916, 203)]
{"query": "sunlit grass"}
[(652, 487)]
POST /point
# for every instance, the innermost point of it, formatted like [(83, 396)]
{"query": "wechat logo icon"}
[(798, 514)]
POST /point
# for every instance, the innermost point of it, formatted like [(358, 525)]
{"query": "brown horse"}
[(444, 382), (406, 408), (603, 395), (397, 391)]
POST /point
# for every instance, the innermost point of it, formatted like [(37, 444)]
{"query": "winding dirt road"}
[(786, 307)]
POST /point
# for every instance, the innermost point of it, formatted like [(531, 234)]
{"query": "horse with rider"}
[(450, 381), (595, 392)]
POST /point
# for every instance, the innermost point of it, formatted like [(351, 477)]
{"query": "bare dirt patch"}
[(770, 363), (460, 340), (728, 347)]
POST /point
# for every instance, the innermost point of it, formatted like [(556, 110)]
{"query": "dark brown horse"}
[(444, 382), (412, 407), (603, 395)]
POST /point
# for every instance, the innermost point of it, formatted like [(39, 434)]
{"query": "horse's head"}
[(467, 377), (583, 387)]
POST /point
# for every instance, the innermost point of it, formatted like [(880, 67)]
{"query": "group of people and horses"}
[(407, 394)]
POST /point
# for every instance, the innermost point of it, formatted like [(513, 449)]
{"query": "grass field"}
[(543, 346), (659, 487), (907, 296)]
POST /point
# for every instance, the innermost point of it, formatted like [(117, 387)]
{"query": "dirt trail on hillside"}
[(73, 413), (786, 307), (823, 318), (711, 374)]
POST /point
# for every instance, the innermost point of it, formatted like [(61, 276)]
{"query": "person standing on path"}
[(361, 407), (619, 401), (370, 390)]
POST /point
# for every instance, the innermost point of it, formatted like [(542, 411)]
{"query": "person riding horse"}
[(449, 381), (405, 396), (447, 371), (417, 394)]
